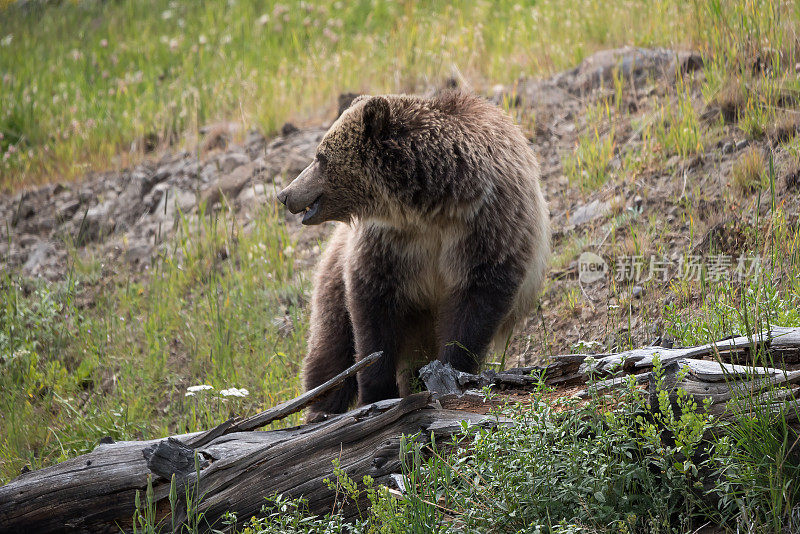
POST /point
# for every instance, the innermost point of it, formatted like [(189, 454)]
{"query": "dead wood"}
[(234, 467)]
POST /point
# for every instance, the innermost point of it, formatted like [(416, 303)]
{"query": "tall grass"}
[(95, 356), (89, 84)]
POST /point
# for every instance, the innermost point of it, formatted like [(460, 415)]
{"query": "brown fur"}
[(445, 246)]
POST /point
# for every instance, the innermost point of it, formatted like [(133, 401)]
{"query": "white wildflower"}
[(234, 392), (201, 387)]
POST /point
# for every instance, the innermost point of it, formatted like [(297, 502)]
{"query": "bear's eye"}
[(322, 158)]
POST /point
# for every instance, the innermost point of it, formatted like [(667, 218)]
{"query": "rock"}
[(633, 64), (37, 257), (66, 210), (165, 171), (153, 199), (254, 144), (27, 241), (345, 100), (23, 212), (86, 195), (230, 161), (139, 253), (727, 148), (184, 200), (95, 223), (589, 212), (252, 193), (742, 144), (209, 172), (124, 215), (230, 185)]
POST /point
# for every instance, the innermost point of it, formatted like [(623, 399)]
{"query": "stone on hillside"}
[(253, 193), (37, 257), (66, 210), (95, 223), (230, 161), (231, 184), (254, 144), (589, 212), (632, 64)]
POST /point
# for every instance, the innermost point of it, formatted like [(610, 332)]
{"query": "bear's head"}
[(344, 180)]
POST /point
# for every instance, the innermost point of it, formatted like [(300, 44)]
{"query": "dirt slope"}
[(658, 204)]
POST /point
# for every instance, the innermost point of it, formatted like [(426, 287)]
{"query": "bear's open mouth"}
[(311, 210)]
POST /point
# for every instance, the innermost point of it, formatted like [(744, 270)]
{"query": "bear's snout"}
[(282, 196), (304, 195)]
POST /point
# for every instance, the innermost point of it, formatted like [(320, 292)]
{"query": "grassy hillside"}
[(112, 351), (92, 85)]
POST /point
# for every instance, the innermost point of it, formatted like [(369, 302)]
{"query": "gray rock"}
[(209, 171), (139, 253), (589, 212), (24, 210), (96, 223), (66, 210), (230, 185), (252, 194), (37, 257), (152, 200), (230, 161), (173, 202)]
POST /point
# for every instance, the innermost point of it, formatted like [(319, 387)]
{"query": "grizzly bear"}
[(444, 243)]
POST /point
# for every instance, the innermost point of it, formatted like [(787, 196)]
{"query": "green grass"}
[(220, 307), (104, 354), (612, 464), (589, 166), (83, 83)]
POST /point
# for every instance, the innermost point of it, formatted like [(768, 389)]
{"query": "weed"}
[(70, 376), (678, 131), (588, 166), (749, 172)]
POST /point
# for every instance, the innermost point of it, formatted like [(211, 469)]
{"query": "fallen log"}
[(95, 492), (235, 467)]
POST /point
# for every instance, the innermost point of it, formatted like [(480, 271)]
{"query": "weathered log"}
[(781, 344), (717, 384), (239, 467), (95, 492)]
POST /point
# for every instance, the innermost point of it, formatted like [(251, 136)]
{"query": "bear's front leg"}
[(375, 308), (473, 313)]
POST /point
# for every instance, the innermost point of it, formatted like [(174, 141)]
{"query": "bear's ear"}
[(376, 116)]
